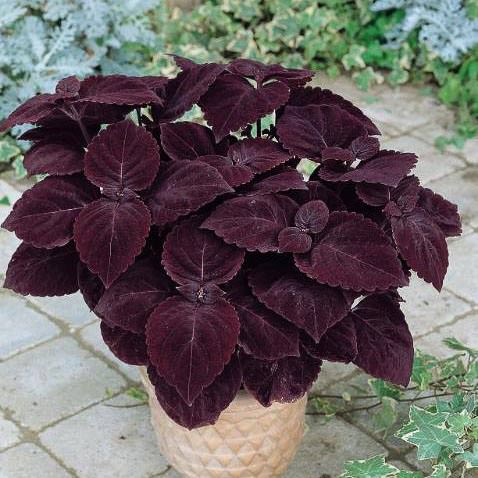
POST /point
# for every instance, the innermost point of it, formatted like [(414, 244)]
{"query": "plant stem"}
[(258, 128), (84, 131), (377, 404)]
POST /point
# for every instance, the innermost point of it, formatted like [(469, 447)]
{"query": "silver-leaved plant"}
[(42, 41), (444, 25)]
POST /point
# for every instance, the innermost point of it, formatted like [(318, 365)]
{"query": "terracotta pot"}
[(248, 440)]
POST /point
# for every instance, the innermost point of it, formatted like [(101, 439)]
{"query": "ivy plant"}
[(444, 432)]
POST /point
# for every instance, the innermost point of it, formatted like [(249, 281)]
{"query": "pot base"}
[(248, 440)]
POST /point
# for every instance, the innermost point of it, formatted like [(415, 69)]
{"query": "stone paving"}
[(63, 407)]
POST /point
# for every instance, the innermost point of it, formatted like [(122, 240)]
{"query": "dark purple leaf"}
[(43, 272), (422, 244), (57, 157), (128, 347), (68, 87), (336, 154), (193, 255), (405, 195), (232, 102), (110, 234), (183, 62), (186, 140), (258, 154), (184, 187), (185, 90), (261, 73), (234, 174), (311, 306), (318, 96), (338, 344), (353, 253), (90, 285), (31, 111), (44, 215), (388, 168), (254, 156), (292, 239), (283, 380), (306, 130), (264, 334), (283, 180), (317, 190), (189, 344), (443, 212), (133, 296), (384, 343), (155, 83), (122, 156), (312, 216), (365, 147), (116, 90), (208, 405), (252, 222)]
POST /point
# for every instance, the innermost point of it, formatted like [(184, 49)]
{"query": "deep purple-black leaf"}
[(190, 343), (43, 272)]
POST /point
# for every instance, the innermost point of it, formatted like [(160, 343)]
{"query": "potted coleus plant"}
[(211, 261)]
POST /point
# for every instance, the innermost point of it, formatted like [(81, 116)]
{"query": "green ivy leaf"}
[(471, 457), (387, 416), (384, 389), (4, 201), (398, 76), (459, 422), (409, 474), (366, 78), (373, 468), (353, 59), (423, 365), (137, 393), (8, 151), (430, 435), (455, 344)]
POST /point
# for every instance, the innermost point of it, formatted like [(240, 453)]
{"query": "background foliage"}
[(397, 41)]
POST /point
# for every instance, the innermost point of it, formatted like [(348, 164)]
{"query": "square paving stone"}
[(21, 327), (426, 309), (91, 334), (462, 189), (431, 163), (9, 433), (327, 446), (53, 381), (29, 461), (462, 275), (405, 108), (464, 330), (70, 309), (107, 442)]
